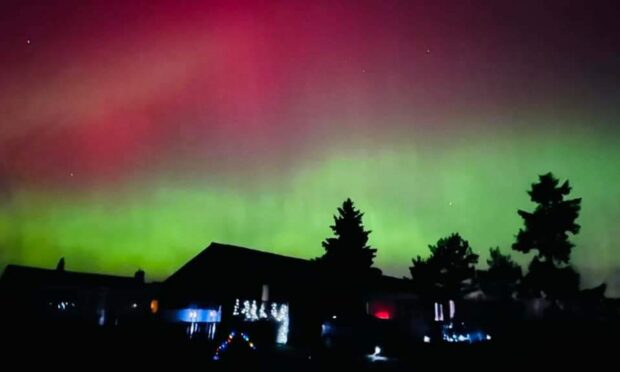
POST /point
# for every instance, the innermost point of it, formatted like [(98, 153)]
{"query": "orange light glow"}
[(154, 306)]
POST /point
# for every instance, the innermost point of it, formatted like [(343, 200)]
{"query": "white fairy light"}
[(236, 308), (282, 337), (253, 310), (261, 312)]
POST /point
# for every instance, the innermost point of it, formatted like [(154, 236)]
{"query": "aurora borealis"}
[(134, 133)]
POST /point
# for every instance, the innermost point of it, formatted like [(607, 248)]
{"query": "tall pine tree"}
[(346, 265), (348, 251), (546, 232), (547, 227)]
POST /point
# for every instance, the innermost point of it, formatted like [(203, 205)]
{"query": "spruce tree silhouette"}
[(347, 262), (448, 273), (348, 250), (501, 279), (546, 232)]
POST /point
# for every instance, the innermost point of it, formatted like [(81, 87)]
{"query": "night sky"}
[(134, 133)]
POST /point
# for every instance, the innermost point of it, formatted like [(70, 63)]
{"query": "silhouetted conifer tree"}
[(546, 232), (347, 262), (348, 250), (500, 280), (448, 273)]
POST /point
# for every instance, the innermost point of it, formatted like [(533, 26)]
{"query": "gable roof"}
[(26, 276), (219, 261), (222, 259)]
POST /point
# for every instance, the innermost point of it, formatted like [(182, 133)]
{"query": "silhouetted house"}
[(239, 283), (34, 294), (222, 273), (246, 284)]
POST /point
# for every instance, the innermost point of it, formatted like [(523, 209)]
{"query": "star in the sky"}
[(28, 42)]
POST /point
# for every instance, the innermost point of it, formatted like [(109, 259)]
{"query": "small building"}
[(37, 294)]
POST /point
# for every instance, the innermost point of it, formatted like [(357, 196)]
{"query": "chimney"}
[(139, 276)]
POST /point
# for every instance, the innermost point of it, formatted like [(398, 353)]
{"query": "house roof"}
[(225, 259), (219, 261), (26, 276)]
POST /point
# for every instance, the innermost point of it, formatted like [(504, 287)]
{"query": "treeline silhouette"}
[(450, 271)]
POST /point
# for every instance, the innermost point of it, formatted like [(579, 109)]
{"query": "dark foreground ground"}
[(540, 346)]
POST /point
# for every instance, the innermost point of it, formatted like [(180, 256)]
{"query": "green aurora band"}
[(411, 194)]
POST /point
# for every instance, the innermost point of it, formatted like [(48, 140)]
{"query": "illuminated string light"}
[(278, 313), (253, 311), (224, 345), (211, 332), (236, 308), (246, 309), (450, 334), (64, 305), (282, 337)]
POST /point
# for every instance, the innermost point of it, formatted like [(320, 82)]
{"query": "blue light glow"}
[(193, 315), (451, 334)]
